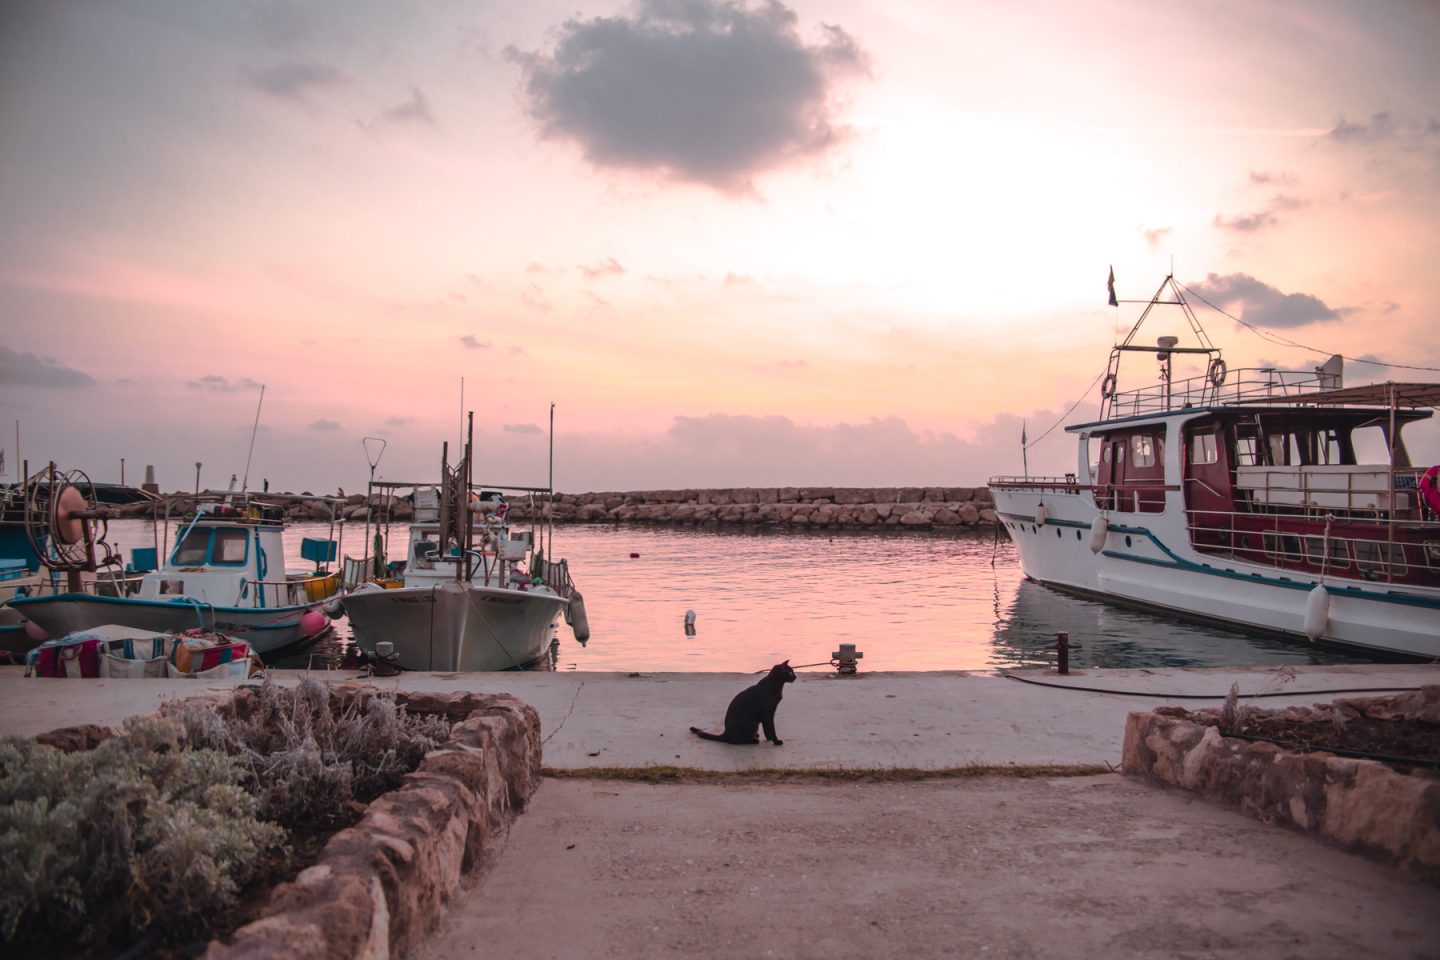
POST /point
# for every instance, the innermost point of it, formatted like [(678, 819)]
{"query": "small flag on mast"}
[(1111, 285)]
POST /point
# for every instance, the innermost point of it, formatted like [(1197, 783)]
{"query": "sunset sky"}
[(844, 242)]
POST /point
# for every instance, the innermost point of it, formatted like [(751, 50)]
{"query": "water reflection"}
[(1106, 635), (908, 601)]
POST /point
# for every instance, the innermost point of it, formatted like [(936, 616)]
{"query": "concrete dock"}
[(1098, 865), (928, 721)]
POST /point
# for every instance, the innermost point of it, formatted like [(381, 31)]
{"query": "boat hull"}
[(454, 627), (266, 629), (1146, 560)]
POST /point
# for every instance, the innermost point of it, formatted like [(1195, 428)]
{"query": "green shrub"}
[(135, 836), (156, 832), (308, 759)]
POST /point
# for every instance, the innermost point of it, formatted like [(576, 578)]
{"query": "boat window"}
[(1279, 449), (1371, 557), (192, 549), (1280, 546), (1432, 554), (1315, 552), (230, 546), (1142, 450), (1369, 444), (1245, 451), (1203, 448)]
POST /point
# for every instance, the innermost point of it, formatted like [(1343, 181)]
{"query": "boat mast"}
[(245, 483), (469, 523)]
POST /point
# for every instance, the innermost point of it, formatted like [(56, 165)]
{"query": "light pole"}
[(197, 478)]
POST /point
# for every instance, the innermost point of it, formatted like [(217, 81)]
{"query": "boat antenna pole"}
[(469, 559), (1024, 451), (370, 493), (245, 483), (550, 493)]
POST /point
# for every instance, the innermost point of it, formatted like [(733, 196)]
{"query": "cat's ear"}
[(784, 663)]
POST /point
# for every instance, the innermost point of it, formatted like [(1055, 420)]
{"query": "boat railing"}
[(1313, 490), (1066, 484), (296, 592), (1369, 548), (1248, 385), (557, 578)]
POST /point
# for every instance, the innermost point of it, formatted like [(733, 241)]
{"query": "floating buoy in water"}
[(689, 618), (312, 623), (1099, 531), (634, 556), (1041, 514), (1317, 612)]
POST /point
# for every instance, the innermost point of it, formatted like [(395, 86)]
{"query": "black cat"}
[(753, 708)]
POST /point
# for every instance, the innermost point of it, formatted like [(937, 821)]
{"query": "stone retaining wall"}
[(1362, 805), (825, 507), (380, 885)]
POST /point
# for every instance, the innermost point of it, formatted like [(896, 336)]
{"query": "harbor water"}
[(907, 601)]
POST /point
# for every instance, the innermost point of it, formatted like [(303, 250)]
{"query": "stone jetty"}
[(818, 507), (823, 507)]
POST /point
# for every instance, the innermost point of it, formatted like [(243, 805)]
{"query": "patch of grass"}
[(673, 774)]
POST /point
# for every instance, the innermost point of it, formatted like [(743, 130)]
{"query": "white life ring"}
[(1429, 486), (1218, 370)]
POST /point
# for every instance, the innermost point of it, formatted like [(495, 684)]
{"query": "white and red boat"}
[(1278, 502)]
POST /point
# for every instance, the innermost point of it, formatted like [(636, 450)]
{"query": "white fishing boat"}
[(226, 574), (1279, 502), (472, 594)]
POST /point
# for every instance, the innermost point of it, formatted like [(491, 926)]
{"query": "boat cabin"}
[(232, 559)]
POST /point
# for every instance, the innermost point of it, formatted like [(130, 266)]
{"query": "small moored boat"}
[(472, 593), (226, 574)]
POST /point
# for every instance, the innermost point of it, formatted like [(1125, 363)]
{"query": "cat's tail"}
[(706, 736)]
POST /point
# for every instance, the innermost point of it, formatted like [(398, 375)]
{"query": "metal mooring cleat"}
[(844, 659)]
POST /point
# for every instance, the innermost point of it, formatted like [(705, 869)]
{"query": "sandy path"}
[(1091, 867)]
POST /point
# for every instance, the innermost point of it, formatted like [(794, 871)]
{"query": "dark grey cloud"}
[(1384, 128), (1380, 127), (325, 425), (1263, 305), (708, 91), (29, 370), (222, 384), (609, 267), (473, 344), (1154, 237), (1272, 178), (525, 428), (1246, 223), (1252, 222), (295, 80), (415, 110)]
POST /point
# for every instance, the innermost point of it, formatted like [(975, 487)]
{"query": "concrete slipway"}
[(994, 866)]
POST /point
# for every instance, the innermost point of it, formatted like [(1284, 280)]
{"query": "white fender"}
[(1317, 612), (1041, 514), (575, 616), (1099, 532)]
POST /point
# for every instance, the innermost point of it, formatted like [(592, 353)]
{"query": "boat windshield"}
[(192, 549)]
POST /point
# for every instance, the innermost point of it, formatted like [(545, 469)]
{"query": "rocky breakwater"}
[(822, 507)]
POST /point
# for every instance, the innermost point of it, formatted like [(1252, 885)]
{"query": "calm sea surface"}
[(908, 601)]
